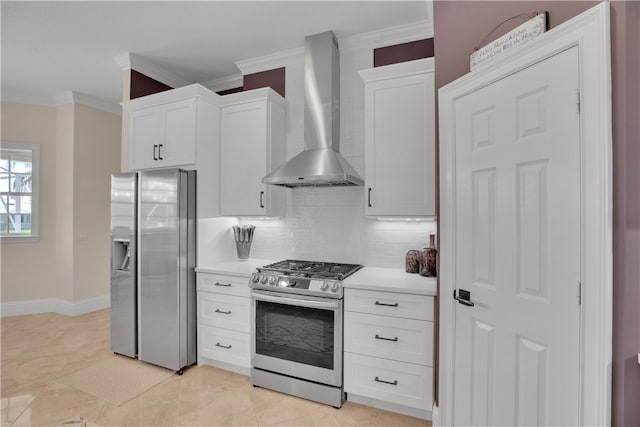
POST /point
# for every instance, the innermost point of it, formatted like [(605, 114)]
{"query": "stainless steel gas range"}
[(296, 328)]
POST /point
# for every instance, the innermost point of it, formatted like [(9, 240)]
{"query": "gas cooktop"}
[(312, 269), (323, 279)]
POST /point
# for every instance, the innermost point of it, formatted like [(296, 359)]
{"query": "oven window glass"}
[(297, 334)]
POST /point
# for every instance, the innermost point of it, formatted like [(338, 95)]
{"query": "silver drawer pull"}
[(229, 312), (222, 284), (395, 304), (386, 382), (223, 346), (378, 337)]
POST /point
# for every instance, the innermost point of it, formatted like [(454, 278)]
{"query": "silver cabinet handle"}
[(369, 198), (261, 202), (223, 312), (386, 382), (159, 154), (222, 284), (395, 304), (223, 346), (155, 147), (378, 337)]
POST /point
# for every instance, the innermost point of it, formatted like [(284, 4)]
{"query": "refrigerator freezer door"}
[(123, 264), (165, 271)]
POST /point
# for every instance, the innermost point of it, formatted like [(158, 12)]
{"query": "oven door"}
[(297, 335)]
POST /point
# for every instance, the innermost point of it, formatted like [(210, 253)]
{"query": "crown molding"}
[(21, 98), (224, 83), (388, 36), (371, 40), (269, 62), (133, 61), (97, 103), (63, 98)]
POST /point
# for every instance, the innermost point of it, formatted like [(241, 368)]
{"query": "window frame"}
[(34, 236)]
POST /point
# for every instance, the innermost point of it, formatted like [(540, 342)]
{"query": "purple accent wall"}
[(275, 79), (142, 85), (403, 52), (459, 27), (229, 91), (625, 59)]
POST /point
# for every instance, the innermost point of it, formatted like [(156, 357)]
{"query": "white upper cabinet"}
[(166, 129), (253, 136), (400, 139)]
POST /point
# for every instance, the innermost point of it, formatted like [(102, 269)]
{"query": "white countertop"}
[(372, 278), (234, 268), (391, 280)]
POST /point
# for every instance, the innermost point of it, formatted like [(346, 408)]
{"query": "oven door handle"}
[(333, 305)]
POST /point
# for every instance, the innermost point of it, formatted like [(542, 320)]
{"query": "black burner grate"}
[(312, 269)]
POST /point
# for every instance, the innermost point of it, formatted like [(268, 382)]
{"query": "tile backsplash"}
[(325, 224), (328, 224)]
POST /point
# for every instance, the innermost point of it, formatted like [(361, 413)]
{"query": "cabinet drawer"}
[(229, 285), (224, 311), (405, 340), (406, 384), (224, 345), (389, 304)]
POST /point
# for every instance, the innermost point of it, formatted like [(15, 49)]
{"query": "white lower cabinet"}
[(224, 345), (389, 337), (388, 344), (223, 321), (402, 383)]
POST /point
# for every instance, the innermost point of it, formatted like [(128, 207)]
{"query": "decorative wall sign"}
[(516, 37)]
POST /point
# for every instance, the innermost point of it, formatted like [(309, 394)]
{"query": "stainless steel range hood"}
[(321, 163)]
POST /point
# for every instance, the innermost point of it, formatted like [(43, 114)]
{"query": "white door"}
[(518, 200)]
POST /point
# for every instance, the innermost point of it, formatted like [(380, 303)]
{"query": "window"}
[(19, 184)]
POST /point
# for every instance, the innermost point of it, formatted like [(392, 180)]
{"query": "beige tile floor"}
[(37, 350)]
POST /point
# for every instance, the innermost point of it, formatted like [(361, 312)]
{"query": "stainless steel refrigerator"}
[(153, 308)]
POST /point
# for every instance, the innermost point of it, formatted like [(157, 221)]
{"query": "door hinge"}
[(577, 101), (579, 293)]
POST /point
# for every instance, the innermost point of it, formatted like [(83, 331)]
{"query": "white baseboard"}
[(388, 406), (435, 416), (54, 305)]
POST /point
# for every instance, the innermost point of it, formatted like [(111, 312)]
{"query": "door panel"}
[(159, 257), (518, 248)]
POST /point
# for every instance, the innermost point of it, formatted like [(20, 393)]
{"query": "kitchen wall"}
[(80, 149), (460, 26), (325, 223)]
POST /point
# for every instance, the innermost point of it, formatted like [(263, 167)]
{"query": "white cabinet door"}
[(163, 136), (145, 136), (252, 144), (179, 144), (400, 140), (244, 148)]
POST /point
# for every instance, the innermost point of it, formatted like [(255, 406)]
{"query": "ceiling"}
[(50, 47)]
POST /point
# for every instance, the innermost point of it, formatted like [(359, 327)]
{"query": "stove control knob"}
[(335, 286), (255, 278), (272, 280), (324, 286), (264, 280)]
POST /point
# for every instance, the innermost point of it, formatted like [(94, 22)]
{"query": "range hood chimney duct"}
[(320, 164)]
